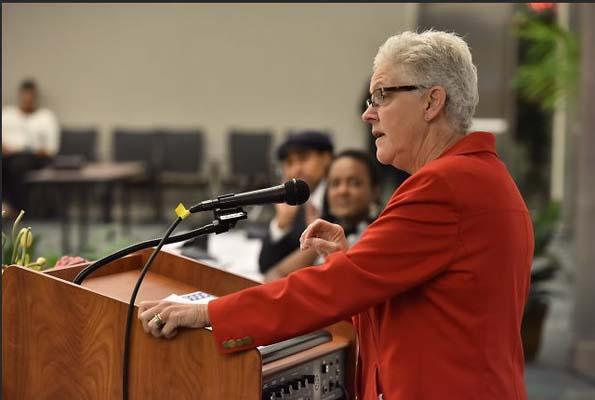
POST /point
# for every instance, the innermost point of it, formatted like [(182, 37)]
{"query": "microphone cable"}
[(225, 219), (182, 213), (126, 355)]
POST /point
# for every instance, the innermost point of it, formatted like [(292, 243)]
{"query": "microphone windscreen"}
[(297, 192)]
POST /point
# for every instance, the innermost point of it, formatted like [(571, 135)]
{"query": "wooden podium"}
[(64, 341)]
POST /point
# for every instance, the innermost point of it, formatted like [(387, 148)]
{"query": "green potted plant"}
[(18, 248), (545, 81), (548, 69)]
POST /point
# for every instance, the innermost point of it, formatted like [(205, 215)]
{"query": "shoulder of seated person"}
[(45, 112)]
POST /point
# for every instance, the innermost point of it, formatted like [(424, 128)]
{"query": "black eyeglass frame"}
[(390, 89)]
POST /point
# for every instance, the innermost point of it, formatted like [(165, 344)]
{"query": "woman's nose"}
[(370, 115)]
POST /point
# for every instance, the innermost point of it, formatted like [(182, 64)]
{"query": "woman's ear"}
[(435, 102)]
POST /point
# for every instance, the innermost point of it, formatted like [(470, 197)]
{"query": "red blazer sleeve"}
[(414, 239)]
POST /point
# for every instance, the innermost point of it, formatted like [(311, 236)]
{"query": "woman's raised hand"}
[(324, 237)]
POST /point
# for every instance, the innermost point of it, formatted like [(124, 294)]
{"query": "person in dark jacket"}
[(304, 155)]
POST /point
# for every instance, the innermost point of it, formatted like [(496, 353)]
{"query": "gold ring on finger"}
[(158, 321)]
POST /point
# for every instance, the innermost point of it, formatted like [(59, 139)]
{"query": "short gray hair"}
[(437, 59)]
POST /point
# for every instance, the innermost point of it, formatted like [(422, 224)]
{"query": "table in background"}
[(68, 183)]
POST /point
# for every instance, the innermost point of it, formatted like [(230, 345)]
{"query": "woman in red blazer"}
[(437, 284)]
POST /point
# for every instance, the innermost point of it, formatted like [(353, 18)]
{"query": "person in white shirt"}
[(30, 138), (304, 155)]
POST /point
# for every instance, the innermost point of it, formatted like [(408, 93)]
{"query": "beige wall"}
[(280, 66)]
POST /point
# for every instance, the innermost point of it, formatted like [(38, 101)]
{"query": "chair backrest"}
[(139, 145), (250, 153), (183, 150), (81, 142)]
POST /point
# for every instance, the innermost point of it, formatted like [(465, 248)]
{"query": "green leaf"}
[(551, 70)]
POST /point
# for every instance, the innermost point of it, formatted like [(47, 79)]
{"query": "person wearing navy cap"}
[(305, 155)]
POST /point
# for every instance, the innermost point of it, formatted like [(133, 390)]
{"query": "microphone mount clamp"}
[(226, 218)]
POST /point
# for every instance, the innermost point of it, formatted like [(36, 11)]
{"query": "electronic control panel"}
[(322, 378)]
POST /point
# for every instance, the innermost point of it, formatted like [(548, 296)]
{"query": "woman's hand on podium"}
[(163, 318), (324, 237)]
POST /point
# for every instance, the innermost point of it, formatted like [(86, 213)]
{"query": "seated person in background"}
[(352, 191), (30, 137), (304, 155)]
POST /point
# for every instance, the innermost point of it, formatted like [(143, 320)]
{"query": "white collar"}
[(317, 196)]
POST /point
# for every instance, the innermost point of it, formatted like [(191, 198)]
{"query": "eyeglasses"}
[(378, 96)]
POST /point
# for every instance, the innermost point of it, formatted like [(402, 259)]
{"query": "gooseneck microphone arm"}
[(209, 228)]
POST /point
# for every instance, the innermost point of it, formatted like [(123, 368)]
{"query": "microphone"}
[(293, 192)]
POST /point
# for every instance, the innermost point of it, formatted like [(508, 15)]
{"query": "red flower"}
[(540, 7)]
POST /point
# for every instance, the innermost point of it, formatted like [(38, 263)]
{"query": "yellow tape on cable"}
[(181, 211)]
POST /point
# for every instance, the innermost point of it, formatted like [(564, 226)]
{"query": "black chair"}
[(144, 145), (139, 145), (183, 164), (78, 142), (184, 151), (250, 159), (183, 176)]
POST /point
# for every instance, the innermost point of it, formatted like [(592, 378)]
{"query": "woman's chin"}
[(382, 158)]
